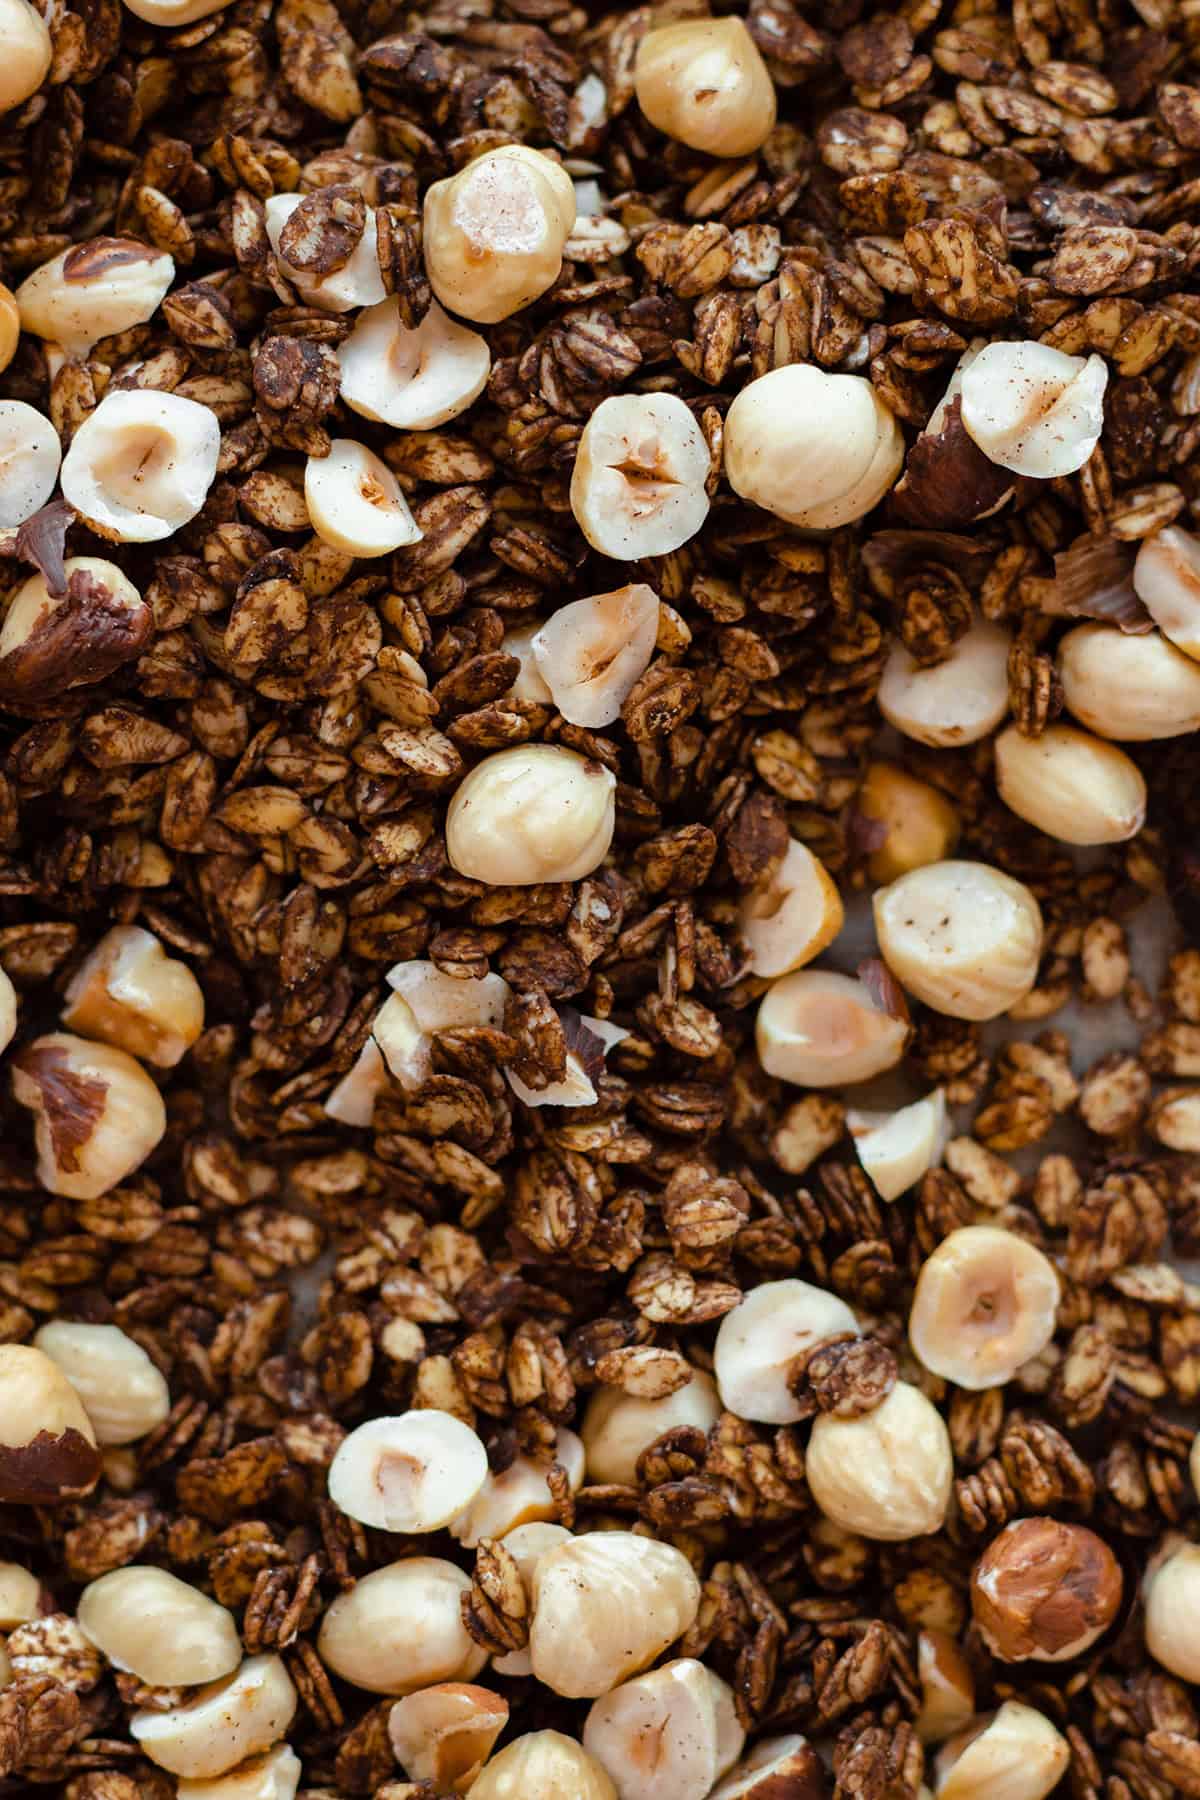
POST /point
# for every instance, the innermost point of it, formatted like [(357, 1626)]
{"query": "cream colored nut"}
[(20, 1596), (704, 83), (8, 1010), (1075, 787), (124, 1393), (955, 702), (172, 12), (400, 1628), (1044, 1591), (425, 1001), (638, 485), (986, 1302), (604, 1606), (529, 684), (576, 1087), (352, 1100), (820, 1029), (1033, 409), (29, 457), (445, 1733), (545, 1764), (920, 825), (1194, 1464), (141, 465), (1015, 1755), (1172, 1602), (897, 1148), (48, 1449), (816, 449), (758, 1342), (519, 1496), (674, 1731), (94, 290), (410, 1473), (618, 1426), (412, 377), (961, 936), (591, 653), (10, 317), (32, 610), (25, 52), (886, 1475), (531, 814), (494, 233), (1132, 688), (130, 993), (527, 1544), (98, 1114), (357, 283), (223, 1724), (355, 502), (150, 1624), (778, 1768), (1166, 579), (273, 1776), (947, 1687), (791, 916)]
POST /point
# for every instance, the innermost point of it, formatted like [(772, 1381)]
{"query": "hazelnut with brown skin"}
[(1044, 1591)]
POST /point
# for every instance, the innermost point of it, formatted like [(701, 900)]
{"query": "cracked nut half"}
[(886, 1475), (947, 1687), (986, 1302), (1033, 409), (531, 814), (1132, 688), (961, 936), (618, 1426), (48, 1450), (94, 290), (1166, 579), (273, 1776), (48, 643), (224, 1723), (792, 915), (638, 485), (1015, 1755), (412, 377), (591, 653), (150, 1624), (141, 465), (124, 1393), (355, 502), (411, 1473), (520, 1495), (357, 282), (819, 1029), (703, 83), (816, 449), (778, 1768), (605, 1605), (1075, 787), (545, 1764), (494, 232), (897, 1148), (445, 1733), (27, 52), (760, 1340), (910, 822), (29, 457), (1172, 1602), (673, 1731), (956, 701), (130, 993), (400, 1628), (97, 1113), (1044, 1591)]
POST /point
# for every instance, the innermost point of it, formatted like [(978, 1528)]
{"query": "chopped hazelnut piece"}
[(8, 1011), (124, 1393), (494, 232), (412, 377), (1075, 787), (816, 449), (703, 82), (961, 936), (48, 1447), (1033, 409), (886, 1474), (445, 1733), (141, 465), (221, 1725), (412, 1473), (357, 282), (638, 485), (618, 1426), (913, 822), (1015, 1755), (29, 457), (531, 814), (1044, 1591), (150, 1624), (355, 502), (400, 1628), (897, 1148), (98, 1114), (519, 1495), (130, 993), (591, 653), (530, 684), (777, 1768), (671, 1731), (792, 915), (956, 701), (1132, 688), (986, 1302), (275, 1775), (547, 1764), (947, 1687), (760, 1340), (1172, 1600), (1166, 579), (820, 1029), (605, 1605), (94, 290)]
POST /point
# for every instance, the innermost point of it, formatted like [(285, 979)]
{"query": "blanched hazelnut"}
[(1166, 579), (494, 232), (357, 283), (1044, 1591), (545, 1764), (591, 653), (98, 1114), (530, 684), (427, 1000), (1015, 1755), (816, 449), (531, 814), (947, 1687), (172, 12), (130, 993), (445, 1733), (1132, 688), (887, 1474), (957, 701), (576, 1087), (412, 377), (986, 1302), (150, 1624), (527, 1544), (703, 82), (758, 1342), (352, 1100), (223, 1724), (29, 457), (777, 1768), (48, 1449), (1033, 409), (124, 1393), (27, 52), (961, 936), (618, 1426), (400, 1628), (519, 1495), (918, 823), (638, 485), (141, 465), (605, 1605), (897, 1148), (273, 1776), (673, 1731), (355, 502), (94, 290), (20, 1596), (8, 1011), (50, 643), (411, 1473), (1172, 1601), (792, 915), (1075, 787), (820, 1029)]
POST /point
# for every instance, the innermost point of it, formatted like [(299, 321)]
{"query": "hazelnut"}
[(20, 1596), (819, 1029), (1044, 1591), (791, 915), (412, 377), (529, 685), (961, 936), (956, 701), (172, 12), (427, 1000), (545, 1764), (618, 1426), (1166, 579), (760, 1340), (638, 487), (673, 1731), (1132, 688), (591, 653), (141, 465), (986, 1303), (130, 993), (1073, 786), (914, 823), (10, 322), (886, 1474), (703, 82), (50, 643), (29, 457), (777, 1768), (8, 1011), (351, 1101), (275, 1775), (1033, 409), (527, 1544), (1015, 1755), (400, 1628), (223, 1724), (531, 814), (412, 1473), (152, 1625), (98, 1114), (94, 290), (576, 1087), (520, 1495), (948, 483), (124, 1394), (48, 1449), (897, 1148), (605, 1605), (1194, 1463), (494, 232), (27, 53), (816, 449), (1172, 1602), (947, 1687), (357, 282), (445, 1733), (355, 502)]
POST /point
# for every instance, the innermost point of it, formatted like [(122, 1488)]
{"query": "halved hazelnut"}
[(357, 282), (141, 465), (425, 1001), (445, 1733), (817, 449), (529, 684), (150, 1624), (956, 701), (29, 457), (759, 1341), (48, 1450), (98, 1114), (778, 1768), (494, 232), (897, 1148), (94, 290), (820, 1029), (605, 1605), (962, 936), (986, 1302), (275, 1775), (588, 1043), (947, 1687), (355, 502), (1033, 409), (792, 915), (130, 993), (411, 1473), (638, 485), (519, 1495), (227, 1721), (1016, 1754), (412, 377), (591, 653), (1166, 579), (672, 1731)]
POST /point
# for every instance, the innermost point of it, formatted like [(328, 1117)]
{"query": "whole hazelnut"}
[(816, 449), (494, 232), (1044, 1591), (1172, 1600), (703, 82), (530, 814), (545, 1764), (886, 1475), (48, 1447), (27, 52), (98, 1114)]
